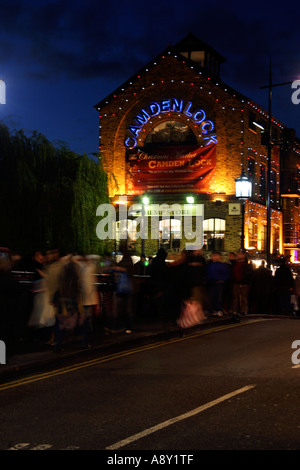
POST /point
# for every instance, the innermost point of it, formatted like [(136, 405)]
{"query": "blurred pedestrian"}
[(261, 292), (228, 288), (140, 266), (284, 286), (196, 277), (69, 313), (242, 277), (140, 287), (177, 289), (90, 298), (124, 291), (218, 274), (36, 265), (9, 291), (107, 294), (159, 279)]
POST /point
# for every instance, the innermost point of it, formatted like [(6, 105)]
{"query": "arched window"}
[(171, 133), (252, 233)]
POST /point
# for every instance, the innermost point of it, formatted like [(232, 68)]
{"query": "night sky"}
[(60, 58)]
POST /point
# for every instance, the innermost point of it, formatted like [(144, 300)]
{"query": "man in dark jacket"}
[(284, 285), (242, 276), (218, 273)]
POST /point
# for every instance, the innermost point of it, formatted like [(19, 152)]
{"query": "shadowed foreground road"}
[(233, 387)]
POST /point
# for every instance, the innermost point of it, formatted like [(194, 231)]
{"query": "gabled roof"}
[(191, 42)]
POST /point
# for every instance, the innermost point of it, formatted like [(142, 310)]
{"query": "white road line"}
[(20, 446), (42, 447), (167, 423)]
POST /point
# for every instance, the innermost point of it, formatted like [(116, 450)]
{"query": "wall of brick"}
[(229, 111)]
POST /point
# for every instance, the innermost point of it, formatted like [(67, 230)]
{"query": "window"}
[(263, 237), (262, 182), (126, 228), (251, 169), (169, 234), (214, 234), (273, 186), (171, 133), (252, 231)]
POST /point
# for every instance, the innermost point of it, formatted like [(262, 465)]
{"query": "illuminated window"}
[(252, 230), (171, 133), (170, 234), (262, 181), (214, 234), (126, 229)]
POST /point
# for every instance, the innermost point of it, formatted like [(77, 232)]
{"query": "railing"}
[(104, 282)]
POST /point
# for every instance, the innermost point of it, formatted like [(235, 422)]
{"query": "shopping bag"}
[(191, 314)]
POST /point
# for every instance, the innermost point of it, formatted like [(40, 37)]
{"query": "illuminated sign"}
[(165, 173), (171, 105)]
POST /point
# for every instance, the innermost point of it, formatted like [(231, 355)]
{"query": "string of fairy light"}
[(260, 158)]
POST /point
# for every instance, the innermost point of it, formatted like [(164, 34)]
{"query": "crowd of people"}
[(66, 294)]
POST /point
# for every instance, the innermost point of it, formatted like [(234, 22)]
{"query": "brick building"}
[(174, 130)]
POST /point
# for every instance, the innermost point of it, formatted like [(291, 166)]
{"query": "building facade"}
[(174, 131)]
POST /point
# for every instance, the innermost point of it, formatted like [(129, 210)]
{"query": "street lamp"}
[(145, 202), (243, 190)]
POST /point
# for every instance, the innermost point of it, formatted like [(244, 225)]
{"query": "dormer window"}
[(196, 56)]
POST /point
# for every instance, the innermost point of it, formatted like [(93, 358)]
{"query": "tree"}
[(48, 195)]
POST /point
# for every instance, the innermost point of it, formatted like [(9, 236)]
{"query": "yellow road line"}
[(110, 357)]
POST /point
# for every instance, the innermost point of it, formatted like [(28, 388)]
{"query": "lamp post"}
[(145, 202), (243, 190)]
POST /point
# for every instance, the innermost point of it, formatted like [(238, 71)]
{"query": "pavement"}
[(31, 356), (35, 356)]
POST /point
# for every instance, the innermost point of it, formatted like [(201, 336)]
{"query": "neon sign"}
[(174, 105)]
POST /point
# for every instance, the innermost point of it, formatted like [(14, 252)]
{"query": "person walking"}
[(242, 276), (68, 301), (90, 298), (196, 279), (284, 285), (124, 291), (218, 273), (159, 281), (262, 290)]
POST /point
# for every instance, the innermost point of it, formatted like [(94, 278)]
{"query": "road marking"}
[(42, 447), (20, 446), (296, 367), (171, 421), (93, 362)]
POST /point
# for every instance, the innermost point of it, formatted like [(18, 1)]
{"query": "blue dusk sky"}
[(60, 58)]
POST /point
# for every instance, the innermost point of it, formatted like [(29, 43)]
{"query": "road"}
[(232, 387)]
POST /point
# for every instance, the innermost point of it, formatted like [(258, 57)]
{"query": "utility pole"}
[(269, 146)]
